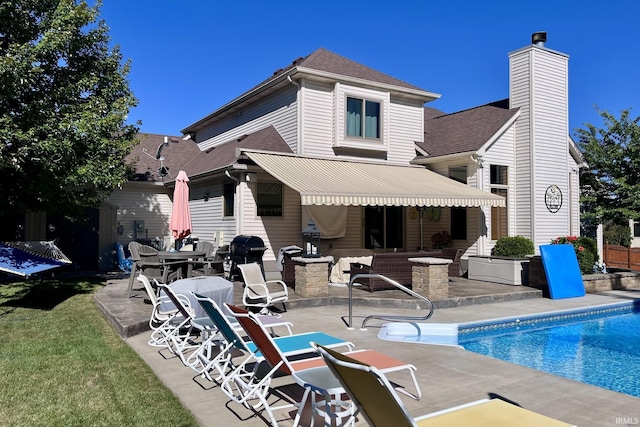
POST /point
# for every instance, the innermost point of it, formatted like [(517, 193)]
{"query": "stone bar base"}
[(312, 276), (430, 277)]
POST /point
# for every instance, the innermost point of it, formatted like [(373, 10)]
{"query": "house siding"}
[(407, 128), (541, 132), (207, 221), (502, 152), (316, 128), (520, 88), (550, 148), (138, 202), (279, 110)]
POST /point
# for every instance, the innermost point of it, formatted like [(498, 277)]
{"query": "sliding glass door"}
[(383, 227)]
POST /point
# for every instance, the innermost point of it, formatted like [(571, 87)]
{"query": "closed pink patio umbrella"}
[(180, 223)]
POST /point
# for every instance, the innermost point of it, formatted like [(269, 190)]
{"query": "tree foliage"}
[(64, 100), (610, 186)]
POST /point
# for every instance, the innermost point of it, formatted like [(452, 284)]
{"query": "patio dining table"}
[(217, 288), (185, 256)]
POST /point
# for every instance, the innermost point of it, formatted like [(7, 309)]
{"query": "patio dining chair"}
[(259, 292), (375, 398), (207, 265), (146, 262), (310, 373)]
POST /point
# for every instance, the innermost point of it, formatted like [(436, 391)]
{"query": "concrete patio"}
[(448, 376)]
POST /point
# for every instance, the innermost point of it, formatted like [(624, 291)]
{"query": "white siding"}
[(539, 86), (520, 88), (279, 110), (138, 202), (502, 153), (316, 127), (406, 126), (207, 221)]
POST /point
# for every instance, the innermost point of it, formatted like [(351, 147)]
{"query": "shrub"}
[(516, 246), (586, 250), (616, 234)]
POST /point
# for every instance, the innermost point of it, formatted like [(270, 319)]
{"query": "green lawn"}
[(62, 364)]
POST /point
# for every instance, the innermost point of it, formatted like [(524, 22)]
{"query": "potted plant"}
[(440, 239), (507, 264)]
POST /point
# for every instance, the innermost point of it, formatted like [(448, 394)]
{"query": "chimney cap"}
[(539, 38)]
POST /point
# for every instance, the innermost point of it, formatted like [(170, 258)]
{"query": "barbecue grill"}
[(245, 250)]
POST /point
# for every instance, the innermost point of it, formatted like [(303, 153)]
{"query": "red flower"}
[(581, 248)]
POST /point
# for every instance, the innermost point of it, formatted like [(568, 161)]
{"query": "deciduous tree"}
[(610, 186), (64, 101)]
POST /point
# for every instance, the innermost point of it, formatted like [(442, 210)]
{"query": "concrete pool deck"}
[(448, 376)]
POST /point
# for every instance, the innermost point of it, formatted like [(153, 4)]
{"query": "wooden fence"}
[(622, 257)]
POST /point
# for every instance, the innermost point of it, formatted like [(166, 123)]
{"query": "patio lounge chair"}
[(375, 398), (259, 292), (310, 373), (205, 359), (159, 318), (178, 333)]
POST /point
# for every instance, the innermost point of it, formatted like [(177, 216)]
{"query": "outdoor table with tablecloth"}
[(340, 272), (217, 288)]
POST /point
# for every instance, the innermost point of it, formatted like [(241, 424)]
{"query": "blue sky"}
[(189, 57)]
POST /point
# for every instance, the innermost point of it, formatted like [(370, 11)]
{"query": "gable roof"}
[(464, 131), (327, 61), (320, 64), (224, 155), (146, 166)]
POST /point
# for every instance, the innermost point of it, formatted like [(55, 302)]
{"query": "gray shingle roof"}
[(177, 154), (267, 139), (327, 61), (464, 131), (321, 60)]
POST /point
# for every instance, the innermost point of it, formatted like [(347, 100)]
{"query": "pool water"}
[(600, 347)]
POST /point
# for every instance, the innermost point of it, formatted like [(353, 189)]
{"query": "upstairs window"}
[(363, 118), (269, 199)]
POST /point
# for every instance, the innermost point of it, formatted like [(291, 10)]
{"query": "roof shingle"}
[(464, 131)]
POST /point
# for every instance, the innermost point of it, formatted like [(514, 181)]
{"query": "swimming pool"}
[(598, 346)]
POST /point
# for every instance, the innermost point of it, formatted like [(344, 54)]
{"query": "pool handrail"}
[(382, 317)]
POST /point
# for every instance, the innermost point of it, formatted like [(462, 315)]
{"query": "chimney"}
[(539, 38)]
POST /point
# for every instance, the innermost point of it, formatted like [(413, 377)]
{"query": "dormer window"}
[(363, 118), (362, 121)]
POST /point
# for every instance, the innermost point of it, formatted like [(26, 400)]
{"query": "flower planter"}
[(506, 270)]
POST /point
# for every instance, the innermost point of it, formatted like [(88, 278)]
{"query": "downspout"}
[(299, 144), (239, 195)]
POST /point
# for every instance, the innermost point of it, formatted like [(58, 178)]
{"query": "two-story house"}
[(358, 152)]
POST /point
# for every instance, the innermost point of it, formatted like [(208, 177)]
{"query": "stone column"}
[(312, 276), (430, 277)]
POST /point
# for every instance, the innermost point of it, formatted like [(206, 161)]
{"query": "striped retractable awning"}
[(340, 182)]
